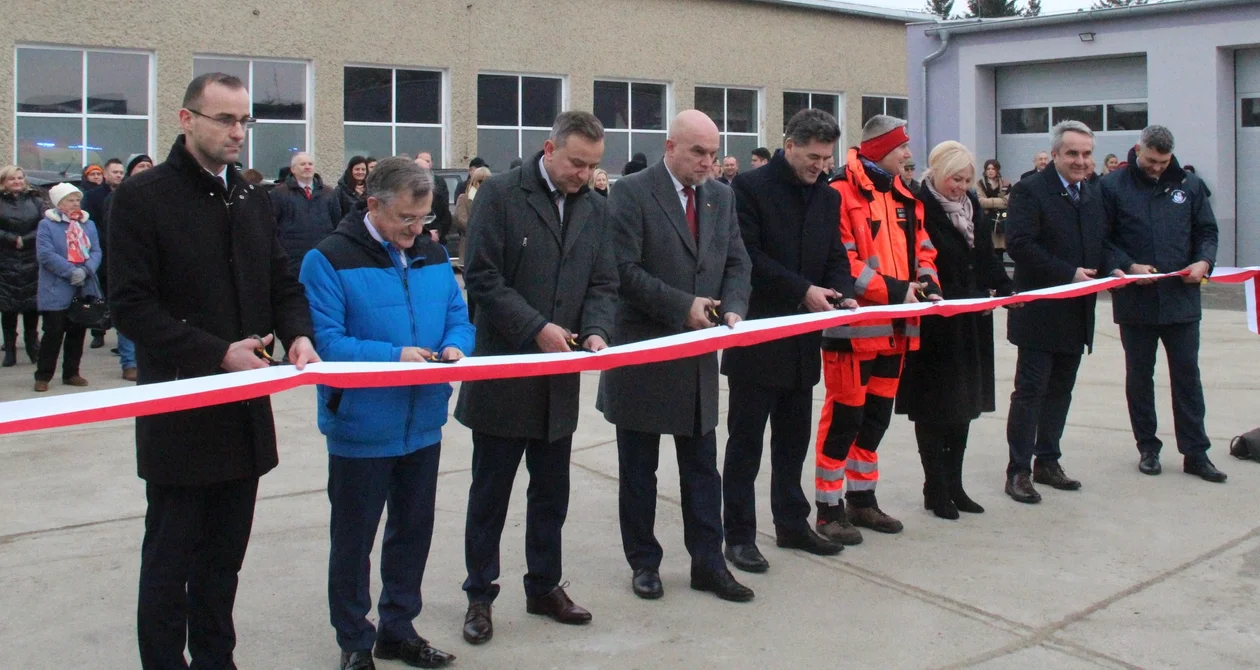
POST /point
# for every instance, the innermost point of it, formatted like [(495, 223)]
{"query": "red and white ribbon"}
[(80, 408)]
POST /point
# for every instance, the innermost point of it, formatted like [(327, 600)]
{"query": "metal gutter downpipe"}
[(943, 33)]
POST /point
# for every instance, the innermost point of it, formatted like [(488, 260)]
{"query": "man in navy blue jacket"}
[(380, 290)]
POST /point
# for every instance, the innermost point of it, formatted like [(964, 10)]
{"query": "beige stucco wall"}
[(684, 42)]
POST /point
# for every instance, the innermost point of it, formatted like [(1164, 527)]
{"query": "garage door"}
[(1108, 95), (1247, 86)]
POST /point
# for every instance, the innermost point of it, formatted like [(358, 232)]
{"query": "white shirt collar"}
[(551, 188), (678, 186), (221, 175), (376, 235), (1066, 183)]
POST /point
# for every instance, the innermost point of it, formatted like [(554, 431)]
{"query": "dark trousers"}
[(30, 322), (1039, 407), (790, 413), (494, 464), (1181, 346), (194, 543), (59, 330), (359, 489), (638, 455)]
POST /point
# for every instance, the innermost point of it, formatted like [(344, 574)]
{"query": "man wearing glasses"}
[(196, 271), (381, 290)]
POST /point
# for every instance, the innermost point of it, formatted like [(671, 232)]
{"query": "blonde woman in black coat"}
[(948, 382)]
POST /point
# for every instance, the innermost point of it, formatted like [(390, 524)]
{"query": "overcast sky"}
[(960, 6)]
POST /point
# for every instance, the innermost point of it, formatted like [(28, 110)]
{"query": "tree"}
[(942, 8), (991, 9), (1109, 4), (1033, 8)]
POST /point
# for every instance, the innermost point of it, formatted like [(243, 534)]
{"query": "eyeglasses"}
[(227, 121), (413, 220)]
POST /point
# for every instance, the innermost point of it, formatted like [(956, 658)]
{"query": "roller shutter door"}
[(1247, 112)]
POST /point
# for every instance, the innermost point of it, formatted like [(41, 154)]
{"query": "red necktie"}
[(691, 212), (308, 192)]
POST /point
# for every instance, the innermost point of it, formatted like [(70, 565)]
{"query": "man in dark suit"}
[(680, 258), (542, 273), (197, 272), (1055, 229), (790, 221), (1158, 215), (1040, 160)]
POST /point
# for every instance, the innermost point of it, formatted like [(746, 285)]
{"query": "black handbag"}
[(90, 311), (1246, 446), (999, 222)]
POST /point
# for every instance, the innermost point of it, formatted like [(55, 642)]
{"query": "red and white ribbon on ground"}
[(1253, 305), (80, 408)]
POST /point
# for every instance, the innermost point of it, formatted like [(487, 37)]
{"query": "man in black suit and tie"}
[(680, 259), (1055, 230), (790, 220)]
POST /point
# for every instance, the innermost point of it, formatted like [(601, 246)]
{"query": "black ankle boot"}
[(10, 354), (961, 500), (936, 485)]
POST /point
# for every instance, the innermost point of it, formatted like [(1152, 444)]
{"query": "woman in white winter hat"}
[(67, 248)]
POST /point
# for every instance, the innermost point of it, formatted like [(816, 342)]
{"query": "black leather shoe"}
[(559, 607), (722, 584), (1202, 467), (746, 557), (808, 541), (478, 626), (415, 652), (1052, 474), (98, 341), (1020, 488), (647, 584), (357, 660), (1149, 464)]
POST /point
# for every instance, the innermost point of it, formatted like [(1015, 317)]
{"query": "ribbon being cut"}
[(58, 411)]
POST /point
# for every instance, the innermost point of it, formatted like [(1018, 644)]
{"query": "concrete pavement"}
[(1131, 571)]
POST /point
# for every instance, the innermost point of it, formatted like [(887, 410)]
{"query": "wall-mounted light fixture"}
[(1087, 37)]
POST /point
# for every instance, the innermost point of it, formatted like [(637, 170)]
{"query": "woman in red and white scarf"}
[(67, 248)]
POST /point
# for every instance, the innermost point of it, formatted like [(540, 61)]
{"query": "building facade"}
[(1000, 85), (458, 78)]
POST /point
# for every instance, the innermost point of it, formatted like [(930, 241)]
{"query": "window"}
[(1025, 121), (279, 94), (390, 111), (76, 107), (514, 115), (635, 117), (1090, 115), (737, 113), (794, 102), (1249, 114), (1126, 116), (873, 105)]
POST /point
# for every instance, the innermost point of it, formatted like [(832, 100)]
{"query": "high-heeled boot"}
[(961, 500), (936, 483)]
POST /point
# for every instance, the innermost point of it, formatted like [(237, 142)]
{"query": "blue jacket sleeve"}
[(46, 251), (459, 331), (328, 314)]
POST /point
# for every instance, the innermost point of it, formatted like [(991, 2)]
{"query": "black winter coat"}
[(791, 232), (1049, 237), (304, 223), (1168, 224), (196, 267), (347, 198), (96, 204), (950, 378), (19, 270), (441, 210)]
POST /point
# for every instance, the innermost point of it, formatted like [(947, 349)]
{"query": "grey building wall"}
[(683, 42), (1190, 81)]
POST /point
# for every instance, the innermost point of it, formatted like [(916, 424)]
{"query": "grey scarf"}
[(960, 213)]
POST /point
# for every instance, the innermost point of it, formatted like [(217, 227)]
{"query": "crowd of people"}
[(556, 260)]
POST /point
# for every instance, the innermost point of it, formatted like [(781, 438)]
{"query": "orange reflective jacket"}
[(888, 248)]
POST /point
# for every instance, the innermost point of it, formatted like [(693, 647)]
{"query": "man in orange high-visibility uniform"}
[(881, 225)]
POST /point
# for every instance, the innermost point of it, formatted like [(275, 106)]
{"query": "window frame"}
[(84, 115), (444, 114), (723, 133), (884, 102), (668, 112), (308, 107), (840, 102), (520, 99), (1049, 107)]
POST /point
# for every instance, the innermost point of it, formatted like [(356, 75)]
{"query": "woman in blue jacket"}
[(66, 247)]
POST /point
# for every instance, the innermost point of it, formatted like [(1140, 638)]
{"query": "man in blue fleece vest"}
[(380, 290)]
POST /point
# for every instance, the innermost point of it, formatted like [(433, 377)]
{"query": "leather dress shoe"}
[(647, 584), (875, 519), (808, 541), (1021, 489), (1051, 474), (746, 557), (1149, 463), (415, 652), (98, 341), (558, 606), (722, 584), (478, 626), (357, 660), (1202, 467)]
